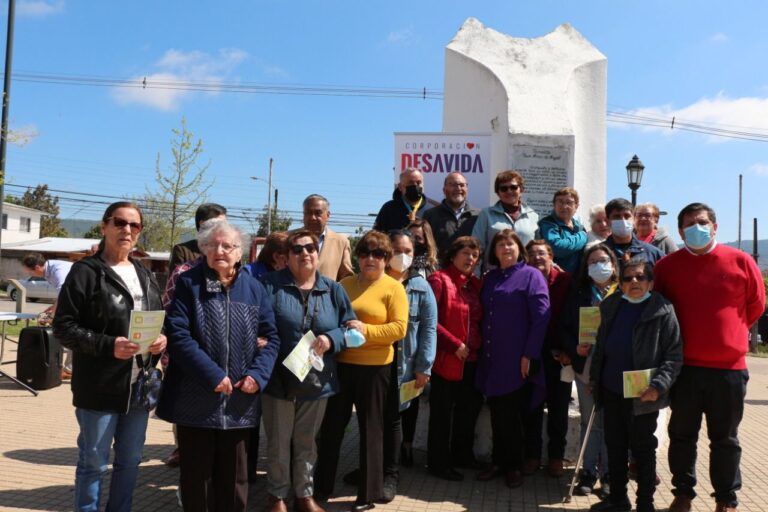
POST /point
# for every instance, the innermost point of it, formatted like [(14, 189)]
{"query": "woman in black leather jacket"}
[(92, 320)]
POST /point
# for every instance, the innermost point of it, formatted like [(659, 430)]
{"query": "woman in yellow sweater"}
[(381, 306)]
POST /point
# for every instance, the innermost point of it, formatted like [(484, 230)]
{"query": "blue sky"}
[(700, 62)]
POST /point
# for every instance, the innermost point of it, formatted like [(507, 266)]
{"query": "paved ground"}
[(38, 456)]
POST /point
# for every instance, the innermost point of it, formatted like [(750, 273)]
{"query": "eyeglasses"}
[(456, 185), (566, 202), (298, 248), (226, 248), (639, 278), (378, 254), (506, 188), (121, 223)]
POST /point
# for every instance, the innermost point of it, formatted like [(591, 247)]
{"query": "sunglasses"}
[(507, 188), (640, 279), (121, 223), (378, 254), (298, 249)]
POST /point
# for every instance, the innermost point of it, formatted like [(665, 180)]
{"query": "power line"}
[(230, 87)]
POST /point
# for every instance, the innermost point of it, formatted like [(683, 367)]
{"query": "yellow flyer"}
[(145, 328), (635, 382), (589, 321), (409, 391), (298, 361)]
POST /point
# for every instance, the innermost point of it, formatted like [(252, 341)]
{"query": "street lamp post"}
[(635, 170), (269, 197)]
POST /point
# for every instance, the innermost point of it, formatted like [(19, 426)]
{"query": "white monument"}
[(544, 102)]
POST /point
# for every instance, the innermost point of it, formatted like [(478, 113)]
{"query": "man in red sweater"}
[(718, 293)]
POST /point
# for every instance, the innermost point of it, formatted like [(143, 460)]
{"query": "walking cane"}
[(583, 448)]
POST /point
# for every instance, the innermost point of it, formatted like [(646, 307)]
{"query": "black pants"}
[(365, 388), (409, 417), (625, 431), (393, 426), (507, 429), (213, 469), (253, 450), (558, 398), (469, 403), (719, 395), (453, 410)]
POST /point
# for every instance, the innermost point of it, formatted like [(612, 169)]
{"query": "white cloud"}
[(747, 114), (39, 8), (759, 169), (179, 67), (718, 38), (403, 37)]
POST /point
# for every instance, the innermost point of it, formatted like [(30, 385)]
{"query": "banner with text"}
[(438, 154)]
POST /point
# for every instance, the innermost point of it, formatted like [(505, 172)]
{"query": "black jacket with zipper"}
[(94, 308), (656, 343)]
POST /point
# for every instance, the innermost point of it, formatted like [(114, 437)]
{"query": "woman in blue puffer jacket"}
[(217, 371)]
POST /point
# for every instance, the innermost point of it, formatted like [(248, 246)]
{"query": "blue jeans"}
[(97, 430), (596, 455)]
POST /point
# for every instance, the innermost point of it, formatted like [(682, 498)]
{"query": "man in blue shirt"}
[(55, 272)]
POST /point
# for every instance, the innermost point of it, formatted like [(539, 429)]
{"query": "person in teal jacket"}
[(563, 232)]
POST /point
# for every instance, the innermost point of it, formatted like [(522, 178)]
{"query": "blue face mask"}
[(638, 300), (354, 338), (697, 236)]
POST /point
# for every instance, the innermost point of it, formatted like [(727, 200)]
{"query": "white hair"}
[(212, 227), (600, 207)]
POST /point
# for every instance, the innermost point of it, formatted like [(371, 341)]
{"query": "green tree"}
[(281, 221), (40, 199), (93, 232), (179, 191), (353, 241)]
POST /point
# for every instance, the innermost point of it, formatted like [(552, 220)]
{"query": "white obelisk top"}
[(533, 72)]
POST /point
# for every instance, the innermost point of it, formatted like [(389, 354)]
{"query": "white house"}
[(20, 223)]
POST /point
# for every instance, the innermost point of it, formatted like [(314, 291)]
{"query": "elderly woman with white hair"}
[(599, 226), (217, 370)]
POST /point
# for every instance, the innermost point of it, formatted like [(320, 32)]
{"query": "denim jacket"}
[(416, 352), (327, 311)]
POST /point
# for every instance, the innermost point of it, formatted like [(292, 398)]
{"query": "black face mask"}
[(420, 249), (414, 192)]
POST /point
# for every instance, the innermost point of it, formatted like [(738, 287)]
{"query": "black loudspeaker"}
[(38, 361)]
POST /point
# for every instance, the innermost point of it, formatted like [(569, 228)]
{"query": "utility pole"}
[(6, 101), (269, 200), (741, 181)]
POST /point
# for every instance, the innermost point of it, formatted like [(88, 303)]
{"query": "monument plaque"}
[(545, 169)]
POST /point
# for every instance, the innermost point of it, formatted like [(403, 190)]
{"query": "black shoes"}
[(586, 484), (390, 489), (360, 506), (489, 473), (609, 505), (449, 474)]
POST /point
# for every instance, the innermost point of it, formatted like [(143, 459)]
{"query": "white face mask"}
[(600, 271), (622, 227), (401, 262)]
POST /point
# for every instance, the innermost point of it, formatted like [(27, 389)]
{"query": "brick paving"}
[(38, 456)]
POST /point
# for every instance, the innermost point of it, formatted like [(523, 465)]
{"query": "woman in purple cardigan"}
[(516, 312)]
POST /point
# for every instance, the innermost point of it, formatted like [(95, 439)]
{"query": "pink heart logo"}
[(470, 145)]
